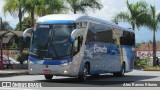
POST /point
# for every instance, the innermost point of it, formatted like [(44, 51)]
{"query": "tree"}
[(138, 45), (43, 7), (83, 5), (26, 23), (135, 14), (30, 6), (50, 7), (6, 26), (152, 22), (15, 8)]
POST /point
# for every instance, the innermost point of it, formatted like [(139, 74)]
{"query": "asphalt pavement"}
[(10, 72), (95, 83)]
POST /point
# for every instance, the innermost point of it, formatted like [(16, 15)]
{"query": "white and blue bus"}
[(79, 45)]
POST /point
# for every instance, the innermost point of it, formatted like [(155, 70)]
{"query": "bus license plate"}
[(47, 71)]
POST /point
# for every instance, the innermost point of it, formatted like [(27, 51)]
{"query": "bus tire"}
[(48, 77), (121, 73), (83, 76)]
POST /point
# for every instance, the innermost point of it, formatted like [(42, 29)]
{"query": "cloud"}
[(110, 8)]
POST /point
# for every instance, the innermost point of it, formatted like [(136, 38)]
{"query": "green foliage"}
[(18, 8), (152, 22), (152, 67), (42, 7), (22, 57), (138, 45), (15, 8), (83, 5), (141, 62), (140, 15), (50, 7), (14, 44), (135, 14), (26, 23)]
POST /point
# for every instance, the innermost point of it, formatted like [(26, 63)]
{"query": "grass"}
[(142, 64), (152, 68)]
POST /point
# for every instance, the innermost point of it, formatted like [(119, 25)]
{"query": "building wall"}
[(146, 54)]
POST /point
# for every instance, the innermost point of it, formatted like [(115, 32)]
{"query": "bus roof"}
[(71, 18), (61, 18)]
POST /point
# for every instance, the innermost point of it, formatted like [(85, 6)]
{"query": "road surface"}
[(103, 81)]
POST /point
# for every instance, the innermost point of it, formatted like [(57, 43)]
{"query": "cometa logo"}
[(100, 49)]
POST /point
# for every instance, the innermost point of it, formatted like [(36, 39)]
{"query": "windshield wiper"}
[(50, 41), (33, 54), (37, 54)]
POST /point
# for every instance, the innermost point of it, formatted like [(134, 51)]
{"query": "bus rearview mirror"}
[(28, 30), (75, 33)]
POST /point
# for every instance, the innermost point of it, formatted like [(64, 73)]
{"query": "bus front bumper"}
[(57, 70)]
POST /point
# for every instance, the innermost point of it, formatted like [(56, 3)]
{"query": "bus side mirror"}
[(28, 30)]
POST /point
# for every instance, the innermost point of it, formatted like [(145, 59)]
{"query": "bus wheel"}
[(121, 73), (83, 76), (48, 77)]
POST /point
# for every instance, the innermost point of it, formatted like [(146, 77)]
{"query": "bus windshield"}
[(51, 41)]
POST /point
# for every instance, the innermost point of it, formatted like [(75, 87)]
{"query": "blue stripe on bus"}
[(50, 62), (56, 22)]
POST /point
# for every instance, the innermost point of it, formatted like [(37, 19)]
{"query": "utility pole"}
[(1, 58), (1, 50), (0, 23)]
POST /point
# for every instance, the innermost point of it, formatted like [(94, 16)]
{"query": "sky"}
[(109, 10)]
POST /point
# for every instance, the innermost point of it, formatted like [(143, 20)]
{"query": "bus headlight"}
[(65, 64), (31, 69), (65, 71)]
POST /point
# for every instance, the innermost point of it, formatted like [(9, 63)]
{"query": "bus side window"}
[(127, 38)]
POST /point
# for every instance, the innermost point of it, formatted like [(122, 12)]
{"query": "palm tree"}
[(83, 5), (50, 7), (152, 22), (43, 7), (26, 23), (134, 16), (15, 8), (30, 6)]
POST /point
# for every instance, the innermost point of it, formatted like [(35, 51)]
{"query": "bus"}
[(79, 45)]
